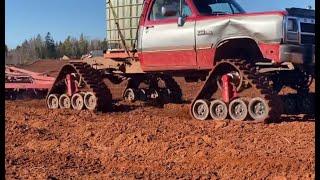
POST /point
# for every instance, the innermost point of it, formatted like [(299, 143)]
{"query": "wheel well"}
[(244, 48)]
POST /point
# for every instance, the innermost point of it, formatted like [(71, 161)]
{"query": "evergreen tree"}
[(104, 45), (39, 47), (75, 48), (60, 49), (50, 46), (18, 54), (67, 47), (83, 45), (25, 51), (58, 54)]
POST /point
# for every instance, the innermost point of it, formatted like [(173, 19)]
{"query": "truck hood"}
[(302, 13), (283, 13), (280, 13)]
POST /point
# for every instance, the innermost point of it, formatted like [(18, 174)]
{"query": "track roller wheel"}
[(130, 95), (142, 95), (90, 101), (218, 110), (77, 101), (154, 94), (238, 110), (258, 109), (64, 102), (201, 110), (53, 101)]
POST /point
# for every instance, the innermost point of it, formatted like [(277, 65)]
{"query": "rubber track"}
[(170, 83), (258, 82), (175, 87), (93, 81)]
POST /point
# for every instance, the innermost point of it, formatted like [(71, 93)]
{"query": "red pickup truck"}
[(244, 58)]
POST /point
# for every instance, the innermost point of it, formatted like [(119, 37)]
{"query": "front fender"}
[(265, 28)]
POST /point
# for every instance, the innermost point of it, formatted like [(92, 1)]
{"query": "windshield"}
[(218, 7)]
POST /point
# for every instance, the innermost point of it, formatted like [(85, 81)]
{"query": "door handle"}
[(149, 27)]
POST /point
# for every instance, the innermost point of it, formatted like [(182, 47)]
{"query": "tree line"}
[(46, 48)]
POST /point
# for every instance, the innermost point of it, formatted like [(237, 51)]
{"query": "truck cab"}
[(195, 34)]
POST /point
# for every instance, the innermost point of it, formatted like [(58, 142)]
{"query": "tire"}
[(53, 101), (238, 110), (218, 110), (64, 101), (258, 109), (130, 95), (77, 102), (90, 101), (201, 110)]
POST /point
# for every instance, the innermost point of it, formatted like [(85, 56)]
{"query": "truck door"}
[(164, 44), (213, 27)]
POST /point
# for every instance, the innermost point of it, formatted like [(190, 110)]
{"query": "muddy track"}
[(259, 87), (89, 80)]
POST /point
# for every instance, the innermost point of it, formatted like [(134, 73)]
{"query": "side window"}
[(186, 11), (171, 5), (218, 8), (235, 10)]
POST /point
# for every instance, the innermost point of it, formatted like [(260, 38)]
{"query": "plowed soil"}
[(144, 142), (48, 66)]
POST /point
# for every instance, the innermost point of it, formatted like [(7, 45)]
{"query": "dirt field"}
[(152, 143)]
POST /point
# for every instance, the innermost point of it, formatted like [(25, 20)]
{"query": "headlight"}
[(292, 25)]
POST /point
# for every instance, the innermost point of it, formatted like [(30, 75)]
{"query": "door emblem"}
[(204, 32)]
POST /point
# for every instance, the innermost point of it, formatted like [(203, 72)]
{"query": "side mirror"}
[(169, 10), (181, 21)]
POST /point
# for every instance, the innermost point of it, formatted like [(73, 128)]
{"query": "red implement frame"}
[(119, 54), (17, 78)]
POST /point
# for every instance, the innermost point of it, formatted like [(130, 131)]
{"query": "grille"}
[(307, 33), (307, 39), (308, 28)]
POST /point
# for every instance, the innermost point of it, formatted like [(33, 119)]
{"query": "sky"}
[(24, 19)]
